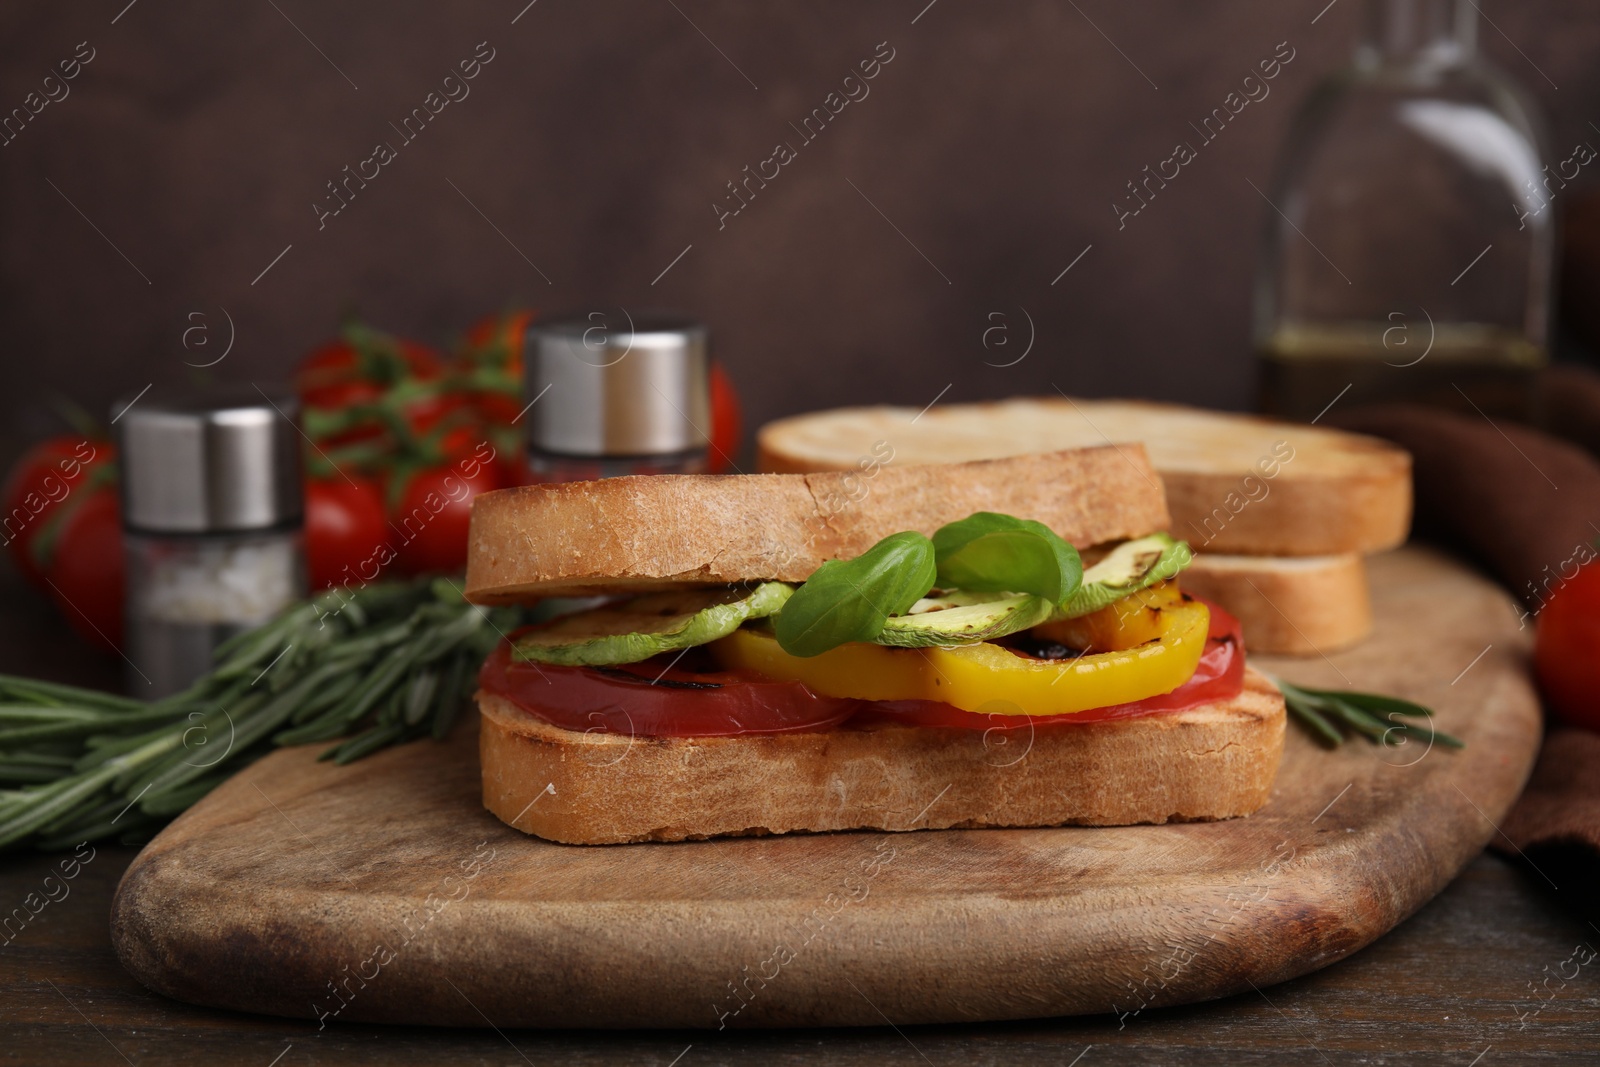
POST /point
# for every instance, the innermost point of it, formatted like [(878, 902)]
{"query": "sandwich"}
[(1000, 643)]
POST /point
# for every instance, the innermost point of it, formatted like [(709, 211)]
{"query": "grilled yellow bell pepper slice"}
[(1125, 623), (987, 678)]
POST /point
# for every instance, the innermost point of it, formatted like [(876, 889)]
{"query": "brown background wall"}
[(597, 140)]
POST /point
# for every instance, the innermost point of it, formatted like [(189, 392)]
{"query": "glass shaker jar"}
[(213, 524), (609, 401), (1411, 250)]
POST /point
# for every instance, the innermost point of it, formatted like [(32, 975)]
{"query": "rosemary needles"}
[(374, 666), (1327, 713)]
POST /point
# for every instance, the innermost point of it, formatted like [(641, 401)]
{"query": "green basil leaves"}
[(850, 600), (992, 553)]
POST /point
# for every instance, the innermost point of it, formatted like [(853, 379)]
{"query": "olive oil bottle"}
[(1409, 249)]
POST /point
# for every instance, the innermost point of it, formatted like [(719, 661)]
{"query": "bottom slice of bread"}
[(1288, 605), (1215, 761)]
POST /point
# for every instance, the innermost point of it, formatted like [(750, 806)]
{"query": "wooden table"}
[(1459, 983)]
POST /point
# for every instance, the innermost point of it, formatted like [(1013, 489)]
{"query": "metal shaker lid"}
[(211, 460), (611, 384)]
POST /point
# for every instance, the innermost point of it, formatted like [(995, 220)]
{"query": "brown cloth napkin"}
[(1571, 398), (1561, 806), (1520, 502), (1517, 501)]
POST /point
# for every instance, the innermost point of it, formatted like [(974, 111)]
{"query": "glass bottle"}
[(1409, 252)]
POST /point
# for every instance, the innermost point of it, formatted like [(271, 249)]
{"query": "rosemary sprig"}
[(370, 667), (1380, 719)]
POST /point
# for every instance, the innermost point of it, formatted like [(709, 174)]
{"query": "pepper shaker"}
[(609, 401), (213, 524)]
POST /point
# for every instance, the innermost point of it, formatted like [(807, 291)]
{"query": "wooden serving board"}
[(384, 892)]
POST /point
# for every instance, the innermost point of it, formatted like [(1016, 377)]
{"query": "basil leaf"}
[(850, 600), (992, 553)]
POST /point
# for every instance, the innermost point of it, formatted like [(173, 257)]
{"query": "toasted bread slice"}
[(672, 531), (1235, 483), (1216, 761), (1291, 606)]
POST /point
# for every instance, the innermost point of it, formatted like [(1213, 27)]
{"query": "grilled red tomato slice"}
[(687, 698)]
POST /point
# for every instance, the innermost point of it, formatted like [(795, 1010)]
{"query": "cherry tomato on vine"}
[(491, 355), (40, 481), (726, 421), (342, 382), (346, 529), (85, 568), (1567, 650), (361, 367), (323, 383), (510, 458), (434, 506), (497, 340), (427, 411)]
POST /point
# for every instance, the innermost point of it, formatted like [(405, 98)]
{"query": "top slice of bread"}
[(673, 531), (1335, 492)]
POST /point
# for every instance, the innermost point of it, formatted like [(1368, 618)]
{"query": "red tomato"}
[(497, 341), (40, 481), (422, 361), (345, 530), (337, 395), (458, 441), (330, 377), (510, 457), (491, 351), (332, 380), (85, 569), (430, 519), (344, 383), (498, 407), (335, 427), (726, 421), (1566, 653), (664, 699), (690, 697), (360, 368), (426, 412)]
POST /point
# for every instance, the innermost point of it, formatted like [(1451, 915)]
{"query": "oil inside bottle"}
[(1467, 367)]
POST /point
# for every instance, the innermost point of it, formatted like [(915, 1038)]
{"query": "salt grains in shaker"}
[(213, 523)]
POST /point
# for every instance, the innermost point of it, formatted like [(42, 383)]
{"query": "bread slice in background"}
[(1277, 512), (1336, 493), (1290, 606), (1216, 761), (670, 531)]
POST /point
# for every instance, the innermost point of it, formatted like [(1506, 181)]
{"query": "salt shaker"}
[(213, 524), (611, 399)]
